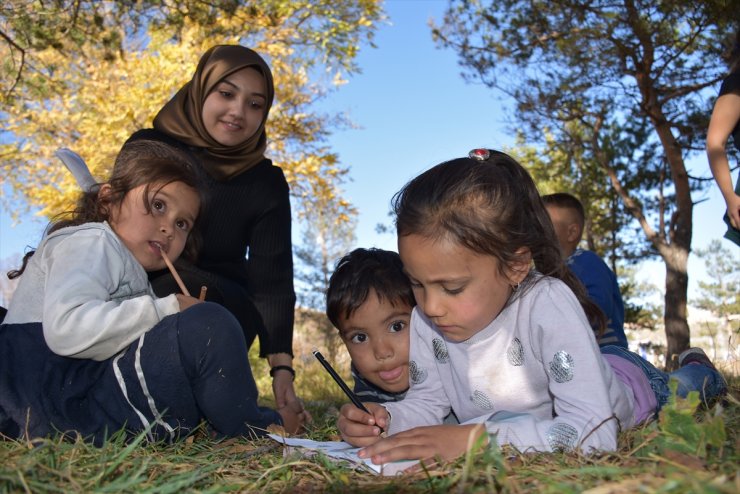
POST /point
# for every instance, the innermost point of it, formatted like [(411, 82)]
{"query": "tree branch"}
[(18, 74)]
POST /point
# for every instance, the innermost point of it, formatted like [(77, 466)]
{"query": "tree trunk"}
[(676, 247), (678, 336)]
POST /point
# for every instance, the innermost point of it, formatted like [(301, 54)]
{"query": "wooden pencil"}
[(167, 261)]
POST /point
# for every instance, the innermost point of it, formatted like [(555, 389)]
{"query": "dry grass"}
[(651, 459)]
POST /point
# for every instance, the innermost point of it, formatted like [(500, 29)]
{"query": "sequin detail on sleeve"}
[(515, 353), (416, 373), (561, 367), (480, 400), (562, 437), (440, 351)]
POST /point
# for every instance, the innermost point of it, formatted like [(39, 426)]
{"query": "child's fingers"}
[(354, 414), (380, 414), (397, 448), (358, 427), (357, 433), (361, 440), (354, 429), (430, 442), (186, 301)]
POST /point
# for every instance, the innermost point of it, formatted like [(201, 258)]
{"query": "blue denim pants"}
[(707, 381)]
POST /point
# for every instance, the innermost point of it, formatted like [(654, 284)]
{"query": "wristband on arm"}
[(288, 368)]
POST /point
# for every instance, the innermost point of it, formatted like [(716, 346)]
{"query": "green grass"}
[(683, 452)]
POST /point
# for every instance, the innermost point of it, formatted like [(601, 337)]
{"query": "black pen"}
[(353, 398)]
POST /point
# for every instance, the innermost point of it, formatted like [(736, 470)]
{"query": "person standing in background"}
[(725, 122)]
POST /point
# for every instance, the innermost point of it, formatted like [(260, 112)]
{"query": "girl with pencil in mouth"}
[(88, 349)]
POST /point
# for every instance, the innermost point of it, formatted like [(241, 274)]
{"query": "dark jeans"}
[(191, 366)]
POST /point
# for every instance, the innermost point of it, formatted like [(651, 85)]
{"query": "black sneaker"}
[(694, 355)]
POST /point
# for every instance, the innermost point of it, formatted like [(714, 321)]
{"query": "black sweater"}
[(247, 246)]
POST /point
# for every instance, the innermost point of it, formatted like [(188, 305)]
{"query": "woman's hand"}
[(359, 428), (282, 384), (733, 210), (294, 417), (429, 444)]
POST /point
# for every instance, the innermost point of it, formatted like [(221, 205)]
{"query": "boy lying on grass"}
[(369, 300)]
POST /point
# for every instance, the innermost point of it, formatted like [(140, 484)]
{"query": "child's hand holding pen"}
[(362, 428), (365, 422)]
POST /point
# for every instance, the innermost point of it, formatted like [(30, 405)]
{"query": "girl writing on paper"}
[(502, 331)]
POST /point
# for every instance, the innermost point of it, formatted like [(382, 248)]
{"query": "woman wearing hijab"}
[(246, 258)]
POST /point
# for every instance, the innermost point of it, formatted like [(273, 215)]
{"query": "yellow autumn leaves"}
[(81, 93)]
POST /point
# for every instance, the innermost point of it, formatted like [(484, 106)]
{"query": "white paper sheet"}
[(343, 451)]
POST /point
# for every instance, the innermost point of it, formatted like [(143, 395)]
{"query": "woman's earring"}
[(516, 287)]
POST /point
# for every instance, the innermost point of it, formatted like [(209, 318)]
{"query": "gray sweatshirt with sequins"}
[(534, 376)]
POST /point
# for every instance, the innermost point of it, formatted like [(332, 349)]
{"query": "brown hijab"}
[(182, 119)]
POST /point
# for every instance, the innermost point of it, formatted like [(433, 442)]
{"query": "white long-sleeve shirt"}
[(534, 376), (90, 294)]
